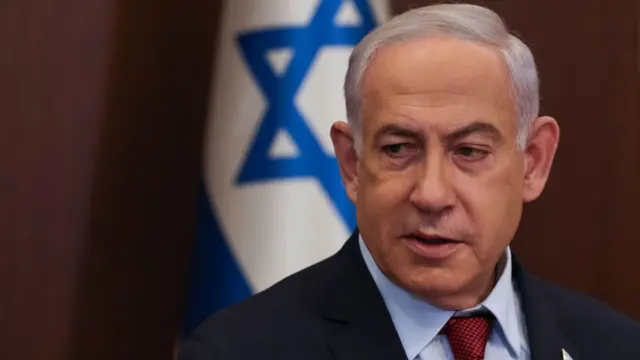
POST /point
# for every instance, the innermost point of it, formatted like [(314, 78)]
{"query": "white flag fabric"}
[(272, 199)]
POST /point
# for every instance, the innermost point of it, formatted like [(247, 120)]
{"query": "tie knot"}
[(468, 336)]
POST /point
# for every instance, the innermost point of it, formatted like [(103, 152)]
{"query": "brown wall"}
[(102, 105), (582, 232)]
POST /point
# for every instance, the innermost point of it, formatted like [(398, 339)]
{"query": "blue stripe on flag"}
[(215, 279)]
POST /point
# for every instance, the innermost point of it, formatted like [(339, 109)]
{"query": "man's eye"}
[(398, 150), (471, 153), (394, 148)]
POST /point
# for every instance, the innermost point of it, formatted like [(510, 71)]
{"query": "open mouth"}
[(433, 240), (432, 247)]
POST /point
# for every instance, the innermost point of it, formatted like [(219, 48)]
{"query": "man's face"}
[(439, 187)]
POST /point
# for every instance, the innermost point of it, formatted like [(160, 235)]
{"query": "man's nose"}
[(433, 191)]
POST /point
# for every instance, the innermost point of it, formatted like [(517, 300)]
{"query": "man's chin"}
[(440, 287)]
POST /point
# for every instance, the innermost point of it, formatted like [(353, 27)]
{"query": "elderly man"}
[(442, 147)]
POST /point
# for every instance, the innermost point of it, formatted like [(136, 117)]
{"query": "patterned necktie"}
[(468, 336)]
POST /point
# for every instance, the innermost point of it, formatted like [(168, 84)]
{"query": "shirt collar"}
[(418, 322)]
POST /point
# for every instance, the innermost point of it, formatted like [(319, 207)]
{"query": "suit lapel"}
[(544, 322), (356, 342), (356, 319), (358, 325)]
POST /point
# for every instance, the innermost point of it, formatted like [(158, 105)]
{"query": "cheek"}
[(493, 203), (387, 186), (383, 194)]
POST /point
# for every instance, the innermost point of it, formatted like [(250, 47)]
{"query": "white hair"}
[(462, 21)]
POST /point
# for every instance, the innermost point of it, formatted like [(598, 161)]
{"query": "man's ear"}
[(539, 154), (344, 147)]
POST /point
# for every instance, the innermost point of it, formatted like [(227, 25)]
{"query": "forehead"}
[(439, 74)]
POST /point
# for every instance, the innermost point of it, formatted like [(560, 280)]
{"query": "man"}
[(442, 148)]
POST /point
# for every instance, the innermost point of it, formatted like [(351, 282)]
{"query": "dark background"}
[(102, 107)]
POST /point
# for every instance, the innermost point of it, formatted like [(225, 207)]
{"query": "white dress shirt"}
[(418, 323)]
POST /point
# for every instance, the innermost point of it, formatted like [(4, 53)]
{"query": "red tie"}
[(468, 336)]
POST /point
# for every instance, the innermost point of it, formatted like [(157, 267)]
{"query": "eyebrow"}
[(397, 130), (477, 127)]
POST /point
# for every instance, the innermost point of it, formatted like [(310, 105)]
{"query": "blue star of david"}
[(280, 92)]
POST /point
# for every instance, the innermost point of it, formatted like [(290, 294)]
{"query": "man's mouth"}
[(432, 247), (433, 239)]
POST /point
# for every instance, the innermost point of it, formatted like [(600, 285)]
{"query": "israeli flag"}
[(272, 201)]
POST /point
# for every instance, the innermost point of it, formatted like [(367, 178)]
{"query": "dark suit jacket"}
[(333, 310)]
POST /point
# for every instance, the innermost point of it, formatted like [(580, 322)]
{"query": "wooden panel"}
[(144, 195), (581, 232), (52, 82), (102, 105)]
